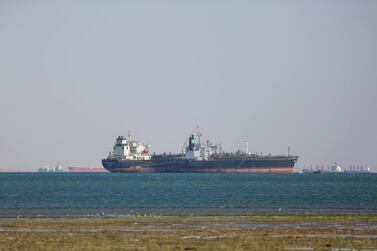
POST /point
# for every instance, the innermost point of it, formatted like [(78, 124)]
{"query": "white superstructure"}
[(130, 149), (200, 151), (336, 168), (46, 168)]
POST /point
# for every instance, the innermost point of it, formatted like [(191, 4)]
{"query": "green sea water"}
[(83, 194)]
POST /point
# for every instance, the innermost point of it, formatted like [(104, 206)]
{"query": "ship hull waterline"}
[(185, 166)]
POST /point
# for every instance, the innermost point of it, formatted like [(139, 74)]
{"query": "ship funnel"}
[(191, 143)]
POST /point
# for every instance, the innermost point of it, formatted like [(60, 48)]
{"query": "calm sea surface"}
[(93, 194)]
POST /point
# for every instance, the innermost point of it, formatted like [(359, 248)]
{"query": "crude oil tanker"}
[(132, 156)]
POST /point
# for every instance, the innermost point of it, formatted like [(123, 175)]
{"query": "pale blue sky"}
[(75, 74)]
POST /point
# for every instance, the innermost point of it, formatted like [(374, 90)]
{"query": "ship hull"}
[(179, 165)]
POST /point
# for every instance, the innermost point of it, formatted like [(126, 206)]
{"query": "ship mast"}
[(199, 134)]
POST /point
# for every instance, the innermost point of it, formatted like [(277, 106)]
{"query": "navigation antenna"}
[(199, 134), (221, 148)]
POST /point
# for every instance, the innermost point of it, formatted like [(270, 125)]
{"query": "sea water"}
[(111, 194)]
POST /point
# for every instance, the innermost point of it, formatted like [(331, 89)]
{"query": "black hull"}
[(282, 164)]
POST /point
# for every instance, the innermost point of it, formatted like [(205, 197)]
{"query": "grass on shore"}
[(253, 232)]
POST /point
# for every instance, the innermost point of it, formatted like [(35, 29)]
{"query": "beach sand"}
[(188, 232)]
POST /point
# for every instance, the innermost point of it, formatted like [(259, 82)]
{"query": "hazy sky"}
[(76, 74)]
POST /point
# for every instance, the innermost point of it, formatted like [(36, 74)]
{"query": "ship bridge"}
[(130, 149)]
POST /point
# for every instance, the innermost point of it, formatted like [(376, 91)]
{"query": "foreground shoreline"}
[(191, 232), (80, 212)]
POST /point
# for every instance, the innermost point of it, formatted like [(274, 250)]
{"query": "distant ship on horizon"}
[(71, 169), (76, 169), (46, 168), (336, 168)]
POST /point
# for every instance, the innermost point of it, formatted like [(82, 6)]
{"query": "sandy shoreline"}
[(188, 232)]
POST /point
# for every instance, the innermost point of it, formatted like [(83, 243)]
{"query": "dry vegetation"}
[(254, 232)]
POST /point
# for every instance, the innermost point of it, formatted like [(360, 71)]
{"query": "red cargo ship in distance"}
[(72, 169)]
